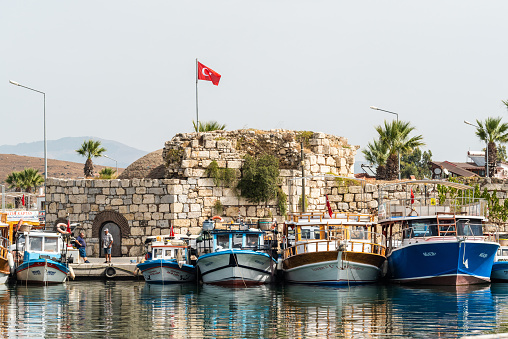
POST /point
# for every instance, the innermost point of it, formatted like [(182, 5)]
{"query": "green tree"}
[(416, 163), (395, 138), (376, 154), (492, 131), (260, 178), (107, 173), (208, 126), (90, 149), (30, 179)]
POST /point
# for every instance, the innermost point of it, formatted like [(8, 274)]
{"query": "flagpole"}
[(197, 114)]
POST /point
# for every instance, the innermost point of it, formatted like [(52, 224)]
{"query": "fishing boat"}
[(336, 249), (236, 254), (41, 258), (6, 259), (435, 234), (500, 267), (168, 261)]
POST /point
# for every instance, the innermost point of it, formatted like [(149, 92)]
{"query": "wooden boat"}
[(168, 261), (340, 250), (436, 240), (236, 255), (6, 259), (41, 257)]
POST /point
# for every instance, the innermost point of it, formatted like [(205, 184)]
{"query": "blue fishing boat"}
[(42, 259), (436, 238), (236, 255), (168, 261), (500, 267)]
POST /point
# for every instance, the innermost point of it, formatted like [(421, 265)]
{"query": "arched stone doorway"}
[(117, 226)]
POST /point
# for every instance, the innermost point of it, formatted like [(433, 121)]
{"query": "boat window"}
[(469, 227), (504, 252), (50, 244), (358, 233), (169, 253), (237, 240), (223, 240), (35, 243), (157, 253), (420, 229), (252, 240)]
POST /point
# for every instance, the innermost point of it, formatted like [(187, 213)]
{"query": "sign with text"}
[(32, 216)]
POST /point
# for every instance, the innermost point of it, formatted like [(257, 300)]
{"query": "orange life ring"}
[(216, 217), (62, 228)]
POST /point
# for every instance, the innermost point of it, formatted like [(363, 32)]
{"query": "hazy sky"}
[(125, 70)]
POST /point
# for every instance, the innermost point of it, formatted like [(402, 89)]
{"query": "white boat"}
[(341, 250), (236, 257), (168, 261), (42, 260)]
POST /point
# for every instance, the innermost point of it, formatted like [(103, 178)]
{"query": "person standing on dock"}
[(107, 242), (80, 241)]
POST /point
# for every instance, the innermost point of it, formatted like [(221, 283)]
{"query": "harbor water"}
[(134, 309)]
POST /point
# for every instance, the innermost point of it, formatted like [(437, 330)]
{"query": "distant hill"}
[(65, 149), (56, 168)]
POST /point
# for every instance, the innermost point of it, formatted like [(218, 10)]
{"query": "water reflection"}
[(135, 309)]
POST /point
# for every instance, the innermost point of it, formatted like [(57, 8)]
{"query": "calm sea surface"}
[(132, 309)]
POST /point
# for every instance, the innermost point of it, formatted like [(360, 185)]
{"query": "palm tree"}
[(30, 178), (492, 131), (395, 136), (208, 126), (14, 181), (377, 154), (90, 149), (106, 173)]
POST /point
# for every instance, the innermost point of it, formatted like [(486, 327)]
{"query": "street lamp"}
[(397, 114), (486, 148), (45, 143), (105, 156)]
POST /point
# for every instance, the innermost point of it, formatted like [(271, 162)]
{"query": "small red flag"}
[(171, 232), (412, 197), (23, 200), (68, 225), (206, 73), (328, 206)]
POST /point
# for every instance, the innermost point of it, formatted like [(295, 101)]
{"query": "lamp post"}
[(486, 148), (397, 114), (116, 162), (45, 143)]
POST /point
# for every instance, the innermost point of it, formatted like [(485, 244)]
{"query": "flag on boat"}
[(68, 225), (412, 197), (206, 73), (171, 232), (328, 206), (23, 200)]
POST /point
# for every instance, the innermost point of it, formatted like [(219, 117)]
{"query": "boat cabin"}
[(220, 240), (167, 247), (39, 245)]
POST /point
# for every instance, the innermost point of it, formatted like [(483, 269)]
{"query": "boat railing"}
[(4, 247), (341, 238), (324, 216), (413, 207)]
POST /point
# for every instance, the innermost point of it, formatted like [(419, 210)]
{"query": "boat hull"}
[(326, 268), (161, 271), (42, 271), (499, 271), (442, 262), (237, 267)]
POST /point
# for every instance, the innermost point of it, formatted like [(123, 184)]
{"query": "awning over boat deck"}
[(432, 182)]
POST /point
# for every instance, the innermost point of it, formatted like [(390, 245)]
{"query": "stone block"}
[(205, 192), (148, 199), (116, 202), (137, 231), (100, 199), (141, 190), (181, 223), (164, 208), (175, 189), (176, 207), (349, 197), (234, 164)]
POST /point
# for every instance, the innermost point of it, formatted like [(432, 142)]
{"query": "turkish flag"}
[(412, 197), (23, 200), (328, 206), (68, 225), (206, 73)]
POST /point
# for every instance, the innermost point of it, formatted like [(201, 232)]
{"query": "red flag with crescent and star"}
[(328, 207), (412, 197), (206, 73)]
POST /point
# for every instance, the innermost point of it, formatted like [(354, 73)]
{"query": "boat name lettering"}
[(36, 272), (154, 273), (208, 263), (429, 254), (484, 255), (258, 262), (324, 267), (51, 272)]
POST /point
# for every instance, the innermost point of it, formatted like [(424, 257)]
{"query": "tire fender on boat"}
[(110, 272), (10, 259), (71, 273)]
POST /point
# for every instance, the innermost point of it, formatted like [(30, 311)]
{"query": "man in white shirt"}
[(107, 242)]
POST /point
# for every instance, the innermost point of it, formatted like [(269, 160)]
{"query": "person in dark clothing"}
[(82, 246)]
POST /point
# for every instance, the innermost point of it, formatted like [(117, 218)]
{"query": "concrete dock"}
[(120, 268)]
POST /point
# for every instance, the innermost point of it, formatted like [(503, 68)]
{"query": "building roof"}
[(150, 166), (456, 168)]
